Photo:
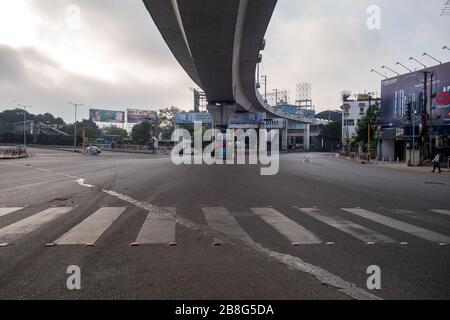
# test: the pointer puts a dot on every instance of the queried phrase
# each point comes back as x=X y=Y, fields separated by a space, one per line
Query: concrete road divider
x=14 y=152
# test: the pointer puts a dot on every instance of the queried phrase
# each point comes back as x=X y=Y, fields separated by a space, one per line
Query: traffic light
x=409 y=111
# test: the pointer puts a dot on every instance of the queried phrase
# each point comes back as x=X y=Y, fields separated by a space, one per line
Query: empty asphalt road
x=139 y=227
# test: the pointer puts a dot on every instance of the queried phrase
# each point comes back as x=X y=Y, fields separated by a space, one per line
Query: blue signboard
x=191 y=118
x=205 y=118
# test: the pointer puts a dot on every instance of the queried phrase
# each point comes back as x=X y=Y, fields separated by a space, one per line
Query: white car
x=93 y=150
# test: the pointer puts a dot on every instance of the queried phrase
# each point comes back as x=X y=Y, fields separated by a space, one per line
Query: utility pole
x=431 y=114
x=24 y=124
x=276 y=97
x=369 y=128
x=76 y=105
x=424 y=133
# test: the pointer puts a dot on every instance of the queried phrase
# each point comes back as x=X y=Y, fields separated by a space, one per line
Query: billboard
x=106 y=116
x=136 y=116
x=398 y=91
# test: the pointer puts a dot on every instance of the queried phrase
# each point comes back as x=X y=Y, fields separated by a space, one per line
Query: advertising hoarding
x=398 y=91
x=106 y=116
x=136 y=116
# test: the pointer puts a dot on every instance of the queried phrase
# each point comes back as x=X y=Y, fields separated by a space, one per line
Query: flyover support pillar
x=307 y=138
x=222 y=114
x=284 y=136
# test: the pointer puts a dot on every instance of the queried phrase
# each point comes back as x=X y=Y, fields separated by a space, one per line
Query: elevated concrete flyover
x=218 y=43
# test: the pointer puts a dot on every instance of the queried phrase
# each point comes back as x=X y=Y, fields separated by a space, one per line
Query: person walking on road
x=437 y=163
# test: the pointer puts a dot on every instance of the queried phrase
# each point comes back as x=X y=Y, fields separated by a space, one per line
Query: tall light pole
x=276 y=97
x=422 y=64
x=402 y=65
x=430 y=56
x=24 y=124
x=265 y=88
x=76 y=105
x=379 y=73
x=393 y=71
x=446 y=48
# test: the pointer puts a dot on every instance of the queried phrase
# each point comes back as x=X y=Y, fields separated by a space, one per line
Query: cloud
x=327 y=42
x=118 y=59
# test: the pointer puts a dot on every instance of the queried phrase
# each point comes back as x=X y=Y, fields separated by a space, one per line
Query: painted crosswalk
x=23 y=227
x=400 y=225
x=5 y=211
x=444 y=212
x=221 y=221
x=157 y=229
x=420 y=217
x=355 y=230
x=161 y=229
x=91 y=229
x=293 y=231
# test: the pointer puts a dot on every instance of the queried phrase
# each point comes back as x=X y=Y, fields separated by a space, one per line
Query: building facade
x=352 y=113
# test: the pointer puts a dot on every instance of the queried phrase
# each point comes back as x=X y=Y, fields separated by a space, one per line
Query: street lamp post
x=393 y=71
x=24 y=124
x=379 y=73
x=265 y=88
x=422 y=64
x=402 y=65
x=276 y=97
x=430 y=56
x=446 y=48
x=75 y=105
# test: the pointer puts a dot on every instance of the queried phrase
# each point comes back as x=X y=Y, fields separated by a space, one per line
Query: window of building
x=349 y=122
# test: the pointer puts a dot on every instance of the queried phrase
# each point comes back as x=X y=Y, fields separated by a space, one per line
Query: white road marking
x=91 y=229
x=355 y=230
x=6 y=211
x=222 y=221
x=82 y=183
x=292 y=262
x=157 y=229
x=31 y=185
x=294 y=232
x=420 y=217
x=444 y=212
x=401 y=226
x=20 y=228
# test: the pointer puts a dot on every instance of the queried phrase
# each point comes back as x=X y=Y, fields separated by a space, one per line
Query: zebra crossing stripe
x=290 y=229
x=355 y=230
x=91 y=229
x=221 y=221
x=157 y=229
x=400 y=225
x=25 y=226
x=420 y=217
x=6 y=211
x=444 y=212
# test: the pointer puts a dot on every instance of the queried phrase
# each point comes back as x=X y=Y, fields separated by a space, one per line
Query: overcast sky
x=115 y=58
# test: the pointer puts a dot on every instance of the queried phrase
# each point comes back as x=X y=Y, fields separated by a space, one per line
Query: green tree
x=332 y=132
x=166 y=121
x=115 y=131
x=362 y=129
x=142 y=133
x=92 y=131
